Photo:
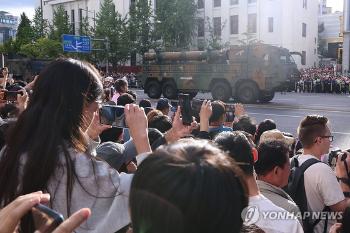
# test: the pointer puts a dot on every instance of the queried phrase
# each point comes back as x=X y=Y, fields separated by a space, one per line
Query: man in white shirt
x=321 y=186
x=239 y=148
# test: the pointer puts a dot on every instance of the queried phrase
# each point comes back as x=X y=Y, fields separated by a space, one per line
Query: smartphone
x=186 y=109
x=197 y=105
x=230 y=112
x=113 y=115
x=45 y=219
x=10 y=95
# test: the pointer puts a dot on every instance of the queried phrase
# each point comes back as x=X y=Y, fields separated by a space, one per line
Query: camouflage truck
x=246 y=73
x=25 y=68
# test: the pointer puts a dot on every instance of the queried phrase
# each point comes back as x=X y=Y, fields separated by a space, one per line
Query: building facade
x=8 y=26
x=291 y=24
x=346 y=37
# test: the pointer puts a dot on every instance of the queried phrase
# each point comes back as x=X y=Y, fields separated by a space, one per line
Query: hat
x=275 y=135
x=163 y=103
x=112 y=153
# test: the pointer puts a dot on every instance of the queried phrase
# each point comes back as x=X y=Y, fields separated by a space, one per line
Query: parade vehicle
x=247 y=74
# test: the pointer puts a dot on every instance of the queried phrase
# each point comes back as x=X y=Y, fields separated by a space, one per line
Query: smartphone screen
x=113 y=115
x=230 y=112
x=45 y=219
x=186 y=109
x=11 y=95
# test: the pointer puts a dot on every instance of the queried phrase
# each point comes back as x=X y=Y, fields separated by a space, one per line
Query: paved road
x=287 y=110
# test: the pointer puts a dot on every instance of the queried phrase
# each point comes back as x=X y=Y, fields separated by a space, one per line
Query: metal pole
x=94 y=20
x=107 y=50
x=42 y=18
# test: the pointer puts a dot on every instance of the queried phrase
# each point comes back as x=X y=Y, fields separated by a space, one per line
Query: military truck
x=25 y=68
x=246 y=73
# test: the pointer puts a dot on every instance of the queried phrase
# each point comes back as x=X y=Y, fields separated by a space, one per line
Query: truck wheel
x=153 y=89
x=267 y=97
x=169 y=90
x=247 y=93
x=221 y=91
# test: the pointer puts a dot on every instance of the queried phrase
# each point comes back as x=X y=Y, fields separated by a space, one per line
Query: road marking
x=340 y=133
x=298 y=109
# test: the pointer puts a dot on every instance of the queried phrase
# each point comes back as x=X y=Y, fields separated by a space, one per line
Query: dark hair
x=178 y=186
x=145 y=103
x=162 y=123
x=125 y=99
x=153 y=113
x=218 y=110
x=245 y=123
x=345 y=228
x=111 y=135
x=52 y=122
x=237 y=145
x=9 y=111
x=132 y=93
x=271 y=154
x=311 y=127
x=120 y=84
x=265 y=125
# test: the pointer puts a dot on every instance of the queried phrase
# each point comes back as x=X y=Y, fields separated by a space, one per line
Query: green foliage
x=24 y=32
x=60 y=24
x=141 y=26
x=84 y=27
x=40 y=26
x=43 y=48
x=214 y=41
x=10 y=47
x=109 y=24
x=175 y=22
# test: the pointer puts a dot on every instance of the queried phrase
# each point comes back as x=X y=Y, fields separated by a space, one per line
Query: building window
x=305 y=4
x=304 y=30
x=200 y=27
x=217 y=3
x=234 y=24
x=200 y=4
x=270 y=24
x=315 y=40
x=80 y=15
x=251 y=1
x=66 y=14
x=315 y=51
x=303 y=58
x=72 y=20
x=251 y=23
x=217 y=26
x=234 y=2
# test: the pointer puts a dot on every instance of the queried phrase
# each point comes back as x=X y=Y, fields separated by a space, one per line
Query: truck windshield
x=287 y=59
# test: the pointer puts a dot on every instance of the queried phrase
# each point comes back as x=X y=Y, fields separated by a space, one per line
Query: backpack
x=296 y=190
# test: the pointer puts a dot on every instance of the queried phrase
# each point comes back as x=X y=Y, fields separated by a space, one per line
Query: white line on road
x=271 y=114
x=340 y=133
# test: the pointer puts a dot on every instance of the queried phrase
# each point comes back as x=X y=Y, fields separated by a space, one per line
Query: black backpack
x=296 y=190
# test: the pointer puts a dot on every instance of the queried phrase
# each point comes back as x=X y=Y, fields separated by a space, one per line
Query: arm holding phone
x=11 y=214
x=205 y=113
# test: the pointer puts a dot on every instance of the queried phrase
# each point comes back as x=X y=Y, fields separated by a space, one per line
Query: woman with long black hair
x=49 y=149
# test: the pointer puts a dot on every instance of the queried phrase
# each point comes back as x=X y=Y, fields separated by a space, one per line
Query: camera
x=113 y=115
x=334 y=155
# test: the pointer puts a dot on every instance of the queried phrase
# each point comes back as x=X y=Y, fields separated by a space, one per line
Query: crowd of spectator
x=322 y=80
x=158 y=175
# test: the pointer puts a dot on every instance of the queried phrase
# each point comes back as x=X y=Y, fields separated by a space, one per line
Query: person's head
x=177 y=187
x=162 y=123
x=153 y=113
x=218 y=112
x=121 y=86
x=125 y=99
x=107 y=94
x=163 y=105
x=315 y=135
x=145 y=103
x=64 y=100
x=273 y=164
x=245 y=123
x=265 y=125
x=239 y=148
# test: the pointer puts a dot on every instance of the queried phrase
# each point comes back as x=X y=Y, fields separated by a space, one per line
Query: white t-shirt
x=271 y=224
x=321 y=188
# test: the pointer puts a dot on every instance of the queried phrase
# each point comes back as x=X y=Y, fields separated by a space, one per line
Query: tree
x=60 y=23
x=40 y=25
x=43 y=48
x=214 y=40
x=140 y=27
x=110 y=24
x=24 y=32
x=175 y=22
x=84 y=27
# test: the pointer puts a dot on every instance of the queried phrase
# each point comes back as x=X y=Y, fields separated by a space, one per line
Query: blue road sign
x=77 y=44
